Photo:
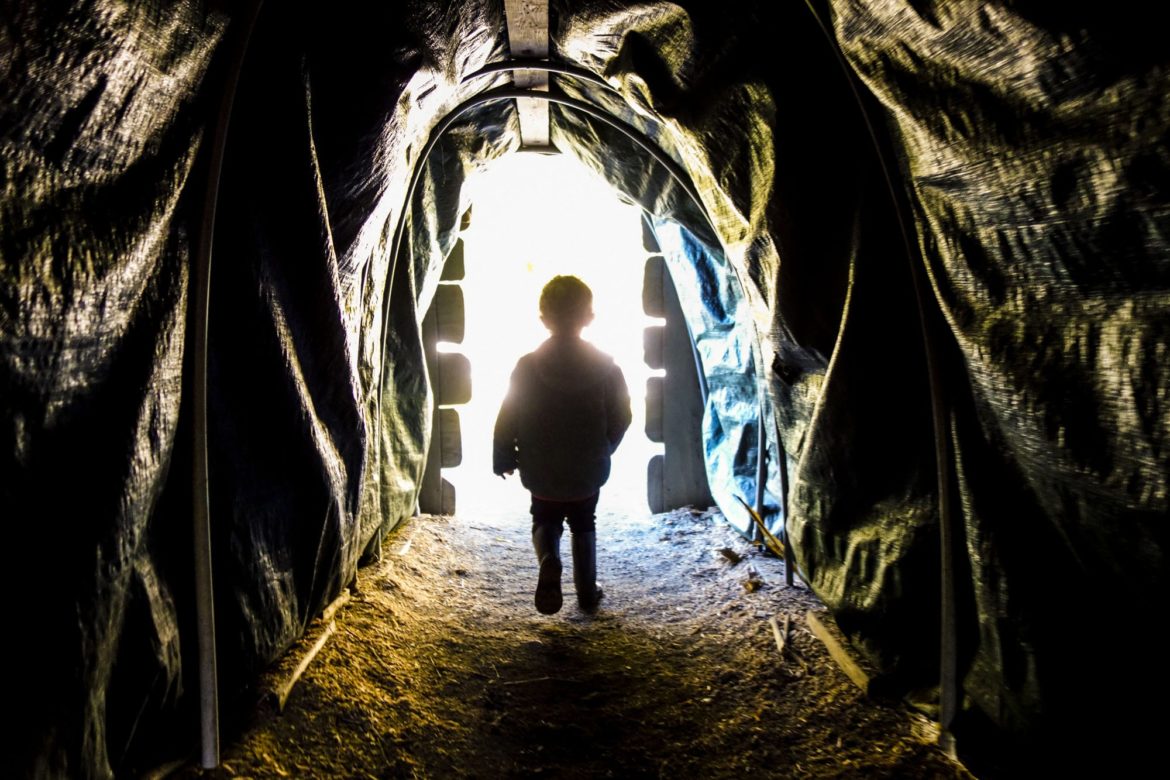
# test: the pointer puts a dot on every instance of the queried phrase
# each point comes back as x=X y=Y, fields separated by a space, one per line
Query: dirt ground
x=441 y=667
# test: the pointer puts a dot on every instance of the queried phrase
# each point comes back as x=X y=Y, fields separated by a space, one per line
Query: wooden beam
x=837 y=651
x=528 y=37
x=337 y=603
x=282 y=692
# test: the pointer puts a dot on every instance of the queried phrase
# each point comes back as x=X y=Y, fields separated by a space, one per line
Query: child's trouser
x=547 y=525
x=580 y=513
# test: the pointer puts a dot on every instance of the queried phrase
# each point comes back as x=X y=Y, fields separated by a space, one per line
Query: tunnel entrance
x=736 y=434
x=536 y=216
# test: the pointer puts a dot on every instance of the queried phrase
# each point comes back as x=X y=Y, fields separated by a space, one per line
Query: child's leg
x=582 y=514
x=547 y=526
x=582 y=521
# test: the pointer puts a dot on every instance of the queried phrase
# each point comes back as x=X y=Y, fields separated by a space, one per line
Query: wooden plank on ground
x=282 y=692
x=336 y=604
x=837 y=651
x=780 y=635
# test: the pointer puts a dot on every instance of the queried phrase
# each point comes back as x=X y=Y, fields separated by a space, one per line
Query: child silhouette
x=566 y=411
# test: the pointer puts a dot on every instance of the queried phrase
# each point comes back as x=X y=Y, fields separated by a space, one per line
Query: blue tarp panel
x=715 y=309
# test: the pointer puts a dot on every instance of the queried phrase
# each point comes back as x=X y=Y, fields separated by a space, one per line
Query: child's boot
x=546 y=539
x=585 y=570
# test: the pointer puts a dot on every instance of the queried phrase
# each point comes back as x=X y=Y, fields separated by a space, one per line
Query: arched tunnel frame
x=209 y=719
x=676 y=172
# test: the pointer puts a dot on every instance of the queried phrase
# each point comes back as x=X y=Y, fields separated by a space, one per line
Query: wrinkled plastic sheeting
x=712 y=304
x=321 y=401
x=1035 y=144
x=648 y=53
x=1035 y=151
x=849 y=374
x=319 y=404
x=98 y=144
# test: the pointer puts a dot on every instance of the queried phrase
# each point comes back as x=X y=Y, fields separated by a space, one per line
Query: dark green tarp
x=970 y=197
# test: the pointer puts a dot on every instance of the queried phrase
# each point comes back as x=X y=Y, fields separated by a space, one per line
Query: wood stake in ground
x=837 y=651
x=286 y=687
x=335 y=605
x=781 y=636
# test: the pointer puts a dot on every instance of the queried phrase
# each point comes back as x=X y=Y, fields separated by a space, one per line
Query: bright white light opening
x=535 y=217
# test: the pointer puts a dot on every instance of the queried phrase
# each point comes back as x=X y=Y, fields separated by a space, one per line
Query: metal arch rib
x=532 y=63
x=677 y=172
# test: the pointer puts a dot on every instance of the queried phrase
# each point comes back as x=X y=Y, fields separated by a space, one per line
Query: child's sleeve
x=504 y=456
x=617 y=408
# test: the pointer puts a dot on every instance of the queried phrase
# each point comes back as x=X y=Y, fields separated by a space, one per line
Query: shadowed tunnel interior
x=928 y=240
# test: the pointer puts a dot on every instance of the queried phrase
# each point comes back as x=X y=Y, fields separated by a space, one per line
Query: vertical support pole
x=761 y=468
x=940 y=414
x=789 y=559
x=204 y=590
x=761 y=437
x=948 y=650
x=201 y=503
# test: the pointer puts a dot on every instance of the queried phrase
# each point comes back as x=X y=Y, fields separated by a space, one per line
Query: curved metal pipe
x=505 y=93
x=532 y=63
x=201 y=503
x=529 y=63
x=675 y=170
x=761 y=464
x=948 y=661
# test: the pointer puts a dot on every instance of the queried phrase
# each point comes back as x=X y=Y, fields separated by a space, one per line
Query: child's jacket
x=565 y=413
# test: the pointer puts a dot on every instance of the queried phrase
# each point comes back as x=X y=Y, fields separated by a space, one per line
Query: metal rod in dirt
x=933 y=348
x=201 y=500
x=789 y=559
x=761 y=452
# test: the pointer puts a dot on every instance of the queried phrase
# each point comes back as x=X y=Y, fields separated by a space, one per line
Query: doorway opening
x=536 y=216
